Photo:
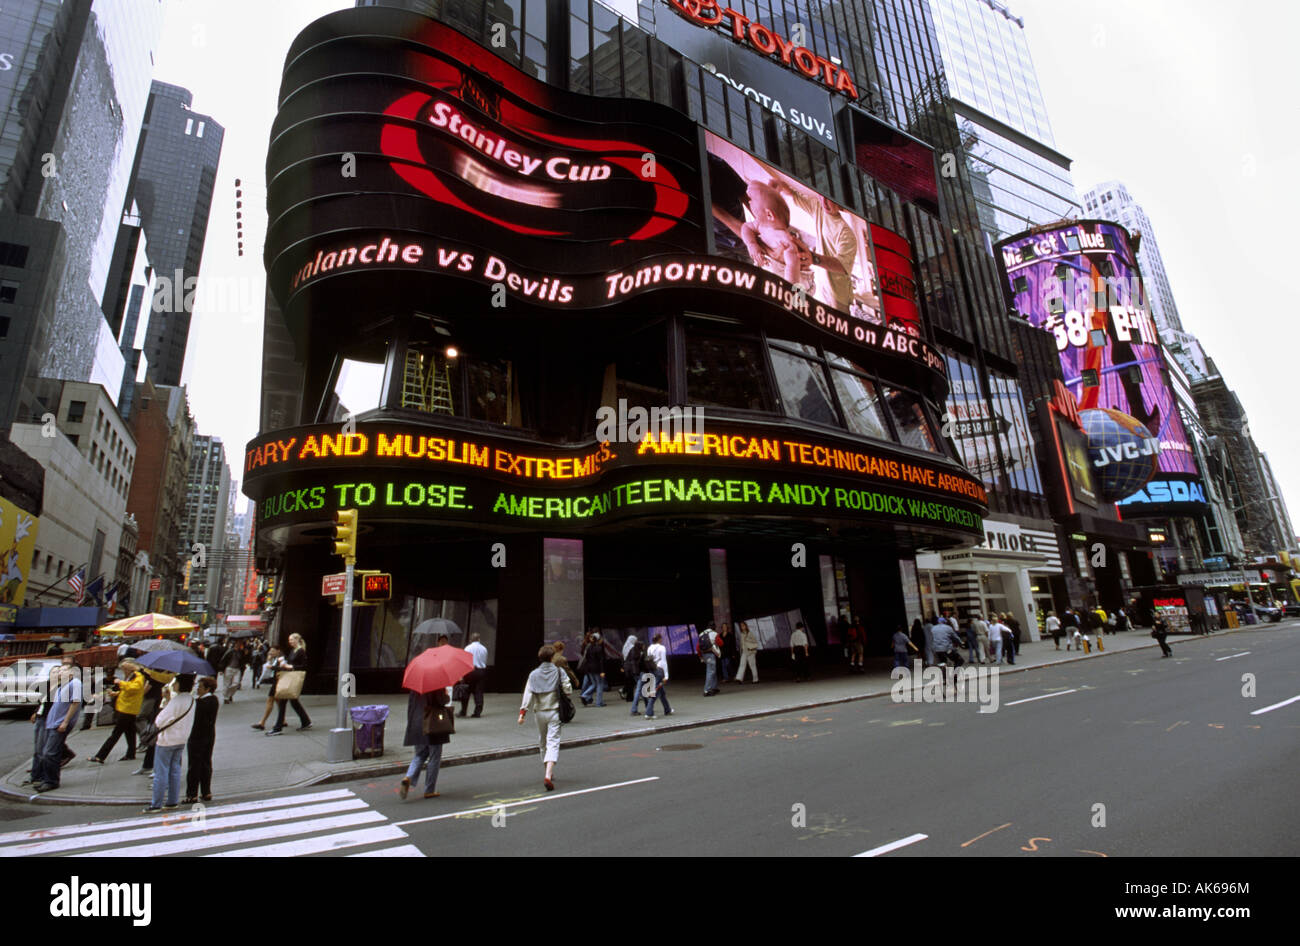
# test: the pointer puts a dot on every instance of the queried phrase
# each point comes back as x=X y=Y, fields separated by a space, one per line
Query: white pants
x=548 y=730
x=232 y=678
x=748 y=658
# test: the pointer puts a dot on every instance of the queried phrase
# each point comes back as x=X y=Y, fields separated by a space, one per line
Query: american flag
x=78 y=583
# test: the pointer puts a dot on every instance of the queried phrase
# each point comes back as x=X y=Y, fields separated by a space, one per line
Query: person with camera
x=128 y=694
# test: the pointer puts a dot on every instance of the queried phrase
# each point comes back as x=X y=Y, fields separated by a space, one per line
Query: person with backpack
x=541 y=697
x=592 y=667
x=709 y=653
x=641 y=678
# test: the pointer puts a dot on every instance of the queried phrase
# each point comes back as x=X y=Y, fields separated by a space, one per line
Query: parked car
x=1263 y=613
x=28 y=687
x=1291 y=610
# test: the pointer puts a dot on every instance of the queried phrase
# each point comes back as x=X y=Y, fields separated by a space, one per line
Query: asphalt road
x=1122 y=756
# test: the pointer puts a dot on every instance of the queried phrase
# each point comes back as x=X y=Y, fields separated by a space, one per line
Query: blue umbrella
x=176 y=661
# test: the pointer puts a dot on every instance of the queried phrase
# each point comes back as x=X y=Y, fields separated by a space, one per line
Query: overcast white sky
x=1190 y=103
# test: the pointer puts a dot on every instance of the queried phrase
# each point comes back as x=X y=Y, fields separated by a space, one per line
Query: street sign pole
x=345 y=546
x=345 y=649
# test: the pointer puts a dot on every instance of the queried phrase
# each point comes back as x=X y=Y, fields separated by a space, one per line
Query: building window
x=8 y=291
x=914 y=429
x=76 y=412
x=13 y=254
x=803 y=386
x=727 y=372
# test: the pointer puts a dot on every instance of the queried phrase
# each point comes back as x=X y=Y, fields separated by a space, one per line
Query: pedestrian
x=659 y=655
x=560 y=661
x=638 y=669
x=420 y=708
x=129 y=694
x=709 y=653
x=203 y=739
x=297 y=660
x=541 y=696
x=592 y=667
x=918 y=636
x=274 y=663
x=216 y=655
x=729 y=649
x=60 y=719
x=901 y=645
x=1008 y=637
x=748 y=644
x=1070 y=627
x=232 y=670
x=1054 y=628
x=257 y=657
x=150 y=706
x=1121 y=620
x=1159 y=630
x=1011 y=621
x=799 y=653
x=947 y=646
x=928 y=630
x=175 y=722
x=853 y=638
x=996 y=642
x=474 y=680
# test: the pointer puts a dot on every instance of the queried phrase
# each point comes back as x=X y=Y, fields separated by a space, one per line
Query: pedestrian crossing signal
x=377 y=587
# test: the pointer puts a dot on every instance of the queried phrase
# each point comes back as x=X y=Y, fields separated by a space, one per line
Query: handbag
x=439 y=721
x=150 y=732
x=567 y=709
x=460 y=692
x=288 y=685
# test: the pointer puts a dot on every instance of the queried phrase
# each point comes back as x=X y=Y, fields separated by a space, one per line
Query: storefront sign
x=768 y=42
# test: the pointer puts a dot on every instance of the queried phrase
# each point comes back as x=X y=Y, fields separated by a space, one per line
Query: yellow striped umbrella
x=147 y=625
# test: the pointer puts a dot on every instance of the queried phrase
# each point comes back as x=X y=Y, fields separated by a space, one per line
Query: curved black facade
x=592 y=411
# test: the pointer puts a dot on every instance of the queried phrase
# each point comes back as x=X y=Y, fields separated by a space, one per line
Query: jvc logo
x=75 y=899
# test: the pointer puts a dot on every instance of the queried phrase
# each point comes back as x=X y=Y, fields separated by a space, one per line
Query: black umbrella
x=177 y=661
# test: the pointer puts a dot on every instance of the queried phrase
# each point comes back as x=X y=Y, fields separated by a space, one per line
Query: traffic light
x=345 y=534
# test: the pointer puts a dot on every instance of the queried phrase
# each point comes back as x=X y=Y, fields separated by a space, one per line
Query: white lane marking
x=209 y=811
x=406 y=850
x=893 y=845
x=526 y=801
x=1269 y=709
x=328 y=842
x=180 y=822
x=1242 y=654
x=231 y=838
x=1046 y=696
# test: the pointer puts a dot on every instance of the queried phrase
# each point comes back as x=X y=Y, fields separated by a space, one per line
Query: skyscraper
x=72 y=96
x=1111 y=201
x=1018 y=177
x=206 y=502
x=172 y=183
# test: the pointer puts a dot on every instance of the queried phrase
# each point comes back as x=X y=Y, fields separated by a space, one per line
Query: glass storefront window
x=910 y=421
x=430 y=380
x=860 y=401
x=803 y=388
x=490 y=392
x=726 y=372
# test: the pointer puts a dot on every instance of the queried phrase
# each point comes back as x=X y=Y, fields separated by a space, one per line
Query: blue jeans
x=900 y=659
x=972 y=645
x=638 y=690
x=430 y=753
x=710 y=673
x=48 y=762
x=594 y=683
x=661 y=693
x=167 y=775
x=726 y=668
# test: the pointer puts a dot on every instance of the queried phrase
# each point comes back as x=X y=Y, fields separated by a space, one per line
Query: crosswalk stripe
x=180 y=823
x=209 y=812
x=406 y=850
x=328 y=842
x=229 y=839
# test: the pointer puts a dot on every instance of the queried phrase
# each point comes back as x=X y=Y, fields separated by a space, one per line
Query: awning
x=59 y=617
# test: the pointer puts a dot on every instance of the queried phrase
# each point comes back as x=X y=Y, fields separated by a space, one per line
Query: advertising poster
x=975 y=429
x=1081 y=283
x=17 y=545
x=767 y=218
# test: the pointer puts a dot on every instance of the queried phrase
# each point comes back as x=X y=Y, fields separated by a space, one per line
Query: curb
x=493 y=755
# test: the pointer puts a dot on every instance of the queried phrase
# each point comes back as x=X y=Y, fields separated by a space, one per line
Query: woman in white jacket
x=540 y=697
x=174 y=722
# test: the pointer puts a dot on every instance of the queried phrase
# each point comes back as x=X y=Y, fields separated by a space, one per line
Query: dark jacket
x=203 y=735
x=298 y=659
x=593 y=658
x=415 y=704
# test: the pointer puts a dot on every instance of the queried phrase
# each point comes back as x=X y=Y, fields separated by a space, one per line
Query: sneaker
x=404 y=789
x=274 y=732
x=142 y=771
x=304 y=728
x=170 y=807
x=649 y=715
x=152 y=810
x=668 y=713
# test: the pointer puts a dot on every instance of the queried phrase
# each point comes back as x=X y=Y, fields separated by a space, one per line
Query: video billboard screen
x=994 y=445
x=767 y=218
x=1081 y=282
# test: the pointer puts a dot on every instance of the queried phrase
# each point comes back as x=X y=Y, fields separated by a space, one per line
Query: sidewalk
x=247 y=763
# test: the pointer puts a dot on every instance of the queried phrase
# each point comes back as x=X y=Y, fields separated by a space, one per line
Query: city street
x=1184 y=765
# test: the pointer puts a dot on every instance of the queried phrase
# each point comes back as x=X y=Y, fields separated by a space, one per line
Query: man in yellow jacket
x=130 y=694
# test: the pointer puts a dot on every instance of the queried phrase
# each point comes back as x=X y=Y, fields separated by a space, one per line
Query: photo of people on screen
x=766 y=218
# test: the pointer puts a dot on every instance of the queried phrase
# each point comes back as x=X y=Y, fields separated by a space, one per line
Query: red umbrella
x=436 y=668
